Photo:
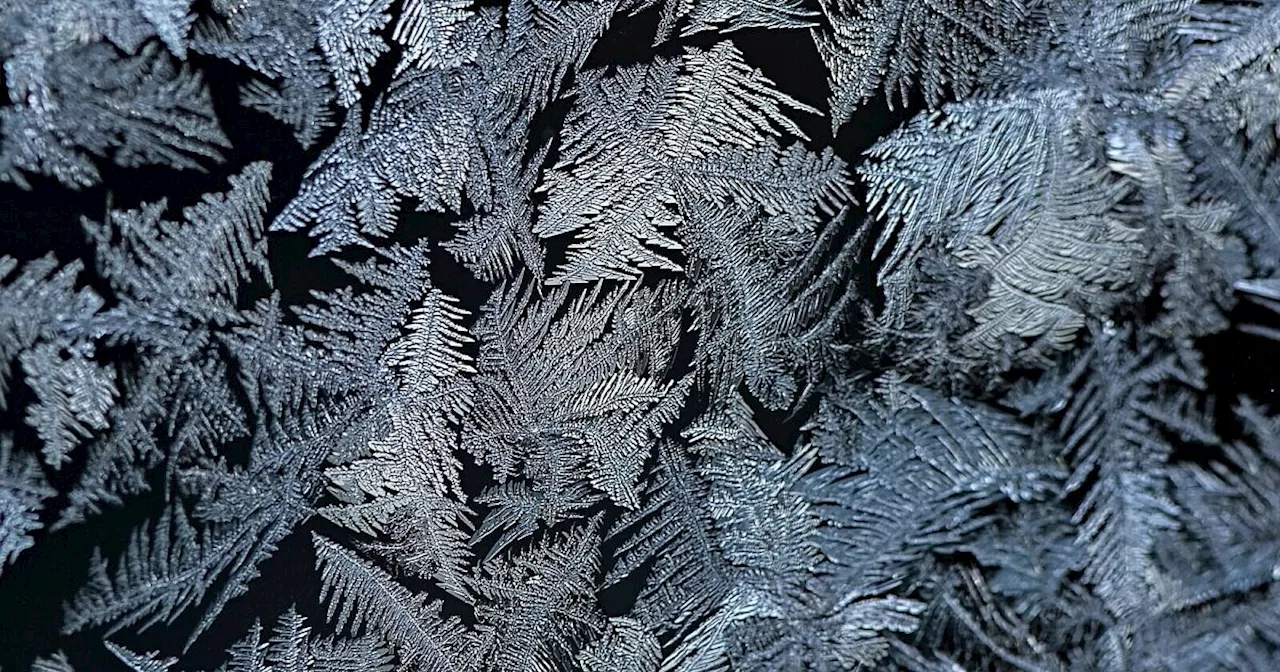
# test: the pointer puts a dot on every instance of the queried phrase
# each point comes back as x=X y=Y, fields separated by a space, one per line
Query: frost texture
x=598 y=362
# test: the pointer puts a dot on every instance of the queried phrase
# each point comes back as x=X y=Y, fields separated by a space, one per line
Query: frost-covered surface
x=727 y=398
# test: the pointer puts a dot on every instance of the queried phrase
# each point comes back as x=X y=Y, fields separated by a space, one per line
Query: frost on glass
x=615 y=363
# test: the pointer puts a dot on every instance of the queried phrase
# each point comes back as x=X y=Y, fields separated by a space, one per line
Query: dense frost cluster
x=623 y=369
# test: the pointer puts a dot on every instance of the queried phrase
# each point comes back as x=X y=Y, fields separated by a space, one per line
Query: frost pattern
x=651 y=390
